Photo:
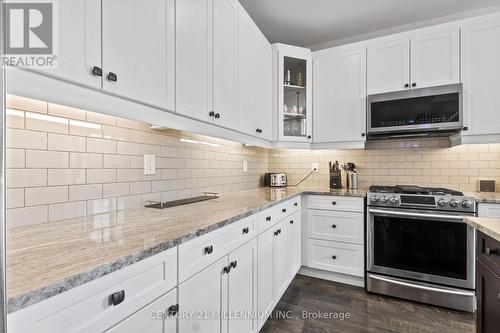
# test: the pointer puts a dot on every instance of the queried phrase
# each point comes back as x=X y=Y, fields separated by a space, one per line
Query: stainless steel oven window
x=469 y=282
x=451 y=88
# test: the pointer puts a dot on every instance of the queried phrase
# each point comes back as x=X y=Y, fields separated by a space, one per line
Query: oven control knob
x=374 y=199
x=442 y=202
x=466 y=203
x=394 y=200
x=383 y=199
x=454 y=203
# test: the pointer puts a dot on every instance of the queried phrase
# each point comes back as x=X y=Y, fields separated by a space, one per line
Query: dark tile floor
x=368 y=312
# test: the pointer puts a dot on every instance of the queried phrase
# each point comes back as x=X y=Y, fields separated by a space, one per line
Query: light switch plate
x=149 y=164
x=245 y=166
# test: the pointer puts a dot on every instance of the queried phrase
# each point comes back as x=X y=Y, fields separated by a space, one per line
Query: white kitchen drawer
x=154 y=318
x=202 y=251
x=87 y=308
x=269 y=217
x=336 y=257
x=336 y=226
x=346 y=204
x=488 y=210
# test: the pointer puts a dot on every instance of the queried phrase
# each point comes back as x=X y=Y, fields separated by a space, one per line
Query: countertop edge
x=475 y=222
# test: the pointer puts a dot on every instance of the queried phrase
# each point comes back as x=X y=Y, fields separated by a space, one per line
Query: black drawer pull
x=490 y=252
x=276 y=233
x=296 y=204
x=97 y=71
x=268 y=218
x=173 y=310
x=217 y=115
x=209 y=249
x=117 y=298
x=334 y=257
x=334 y=226
x=246 y=230
x=407 y=85
x=334 y=203
x=227 y=269
x=279 y=231
x=112 y=77
x=413 y=84
x=211 y=114
x=291 y=221
x=233 y=264
x=283 y=210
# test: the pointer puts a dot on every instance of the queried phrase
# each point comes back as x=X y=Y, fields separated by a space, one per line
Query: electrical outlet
x=149 y=164
x=245 y=166
x=315 y=167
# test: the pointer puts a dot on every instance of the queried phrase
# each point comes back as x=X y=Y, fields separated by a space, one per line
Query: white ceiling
x=313 y=22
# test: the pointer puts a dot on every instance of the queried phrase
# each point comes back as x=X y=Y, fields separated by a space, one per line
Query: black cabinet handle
x=233 y=264
x=209 y=249
x=334 y=257
x=465 y=128
x=296 y=204
x=268 y=218
x=406 y=85
x=279 y=231
x=117 y=298
x=97 y=71
x=211 y=114
x=173 y=310
x=291 y=221
x=413 y=84
x=258 y=130
x=112 y=77
x=276 y=233
x=246 y=230
x=363 y=134
x=217 y=115
x=334 y=203
x=334 y=226
x=227 y=269
x=283 y=210
x=308 y=136
x=490 y=252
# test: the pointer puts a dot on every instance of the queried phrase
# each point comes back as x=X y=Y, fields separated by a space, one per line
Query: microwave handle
x=408 y=135
x=432 y=216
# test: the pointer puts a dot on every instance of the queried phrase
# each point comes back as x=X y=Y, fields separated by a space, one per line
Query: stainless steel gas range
x=419 y=247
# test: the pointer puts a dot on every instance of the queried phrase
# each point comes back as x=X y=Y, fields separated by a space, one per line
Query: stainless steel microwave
x=435 y=111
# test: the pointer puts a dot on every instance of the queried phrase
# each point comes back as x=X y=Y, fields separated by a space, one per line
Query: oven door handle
x=423 y=287
x=425 y=215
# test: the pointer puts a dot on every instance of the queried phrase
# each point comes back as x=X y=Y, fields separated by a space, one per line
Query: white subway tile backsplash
x=45 y=195
x=127 y=123
x=66 y=177
x=14 y=198
x=14 y=118
x=84 y=128
x=66 y=142
x=46 y=159
x=84 y=160
x=117 y=161
x=116 y=133
x=46 y=123
x=16 y=138
x=101 y=146
x=100 y=176
x=101 y=206
x=26 y=177
x=128 y=175
x=15 y=158
x=66 y=111
x=24 y=103
x=67 y=210
x=101 y=118
x=20 y=217
x=116 y=189
x=140 y=187
x=129 y=202
x=85 y=192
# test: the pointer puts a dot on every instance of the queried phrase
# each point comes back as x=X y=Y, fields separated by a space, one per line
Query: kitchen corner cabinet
x=220 y=292
x=340 y=95
x=293 y=89
x=138 y=50
x=422 y=58
x=487 y=283
x=254 y=80
x=206 y=60
x=480 y=73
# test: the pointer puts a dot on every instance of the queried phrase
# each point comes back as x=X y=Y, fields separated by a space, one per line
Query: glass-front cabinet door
x=294 y=102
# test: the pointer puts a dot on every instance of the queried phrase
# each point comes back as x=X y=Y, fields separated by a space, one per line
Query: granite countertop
x=48 y=259
x=485 y=197
x=488 y=226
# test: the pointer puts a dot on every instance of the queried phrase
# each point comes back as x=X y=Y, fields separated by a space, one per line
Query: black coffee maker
x=335 y=175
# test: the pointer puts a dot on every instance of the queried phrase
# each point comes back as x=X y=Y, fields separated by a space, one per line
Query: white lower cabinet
x=265 y=279
x=280 y=253
x=294 y=244
x=157 y=317
x=212 y=300
x=488 y=210
x=337 y=257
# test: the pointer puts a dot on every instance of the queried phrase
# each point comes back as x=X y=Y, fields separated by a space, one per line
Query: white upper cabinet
x=480 y=77
x=79 y=41
x=388 y=65
x=339 y=95
x=193 y=58
x=435 y=57
x=225 y=38
x=254 y=79
x=138 y=50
